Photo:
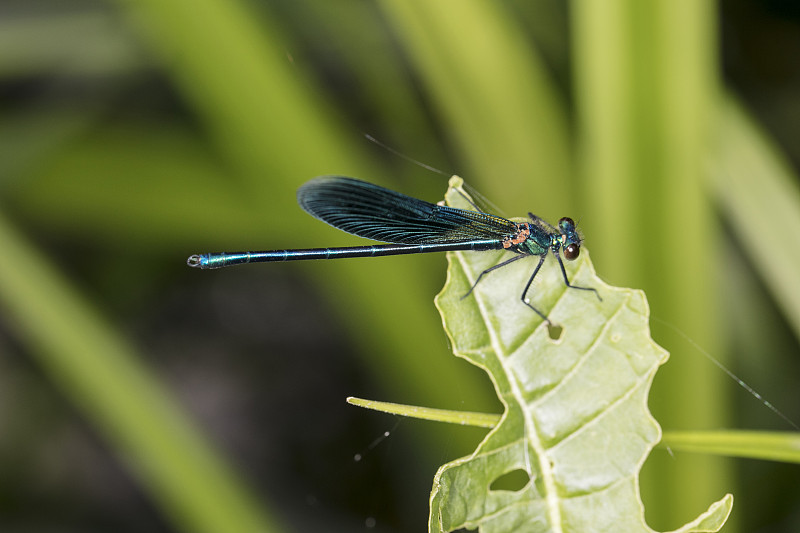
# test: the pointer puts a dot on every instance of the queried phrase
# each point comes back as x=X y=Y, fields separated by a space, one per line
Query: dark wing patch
x=373 y=212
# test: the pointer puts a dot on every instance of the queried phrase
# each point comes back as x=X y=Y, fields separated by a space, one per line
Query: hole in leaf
x=554 y=331
x=513 y=481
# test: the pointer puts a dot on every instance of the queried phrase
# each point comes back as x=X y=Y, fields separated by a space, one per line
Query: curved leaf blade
x=575 y=418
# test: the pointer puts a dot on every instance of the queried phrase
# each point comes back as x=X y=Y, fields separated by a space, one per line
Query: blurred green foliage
x=136 y=133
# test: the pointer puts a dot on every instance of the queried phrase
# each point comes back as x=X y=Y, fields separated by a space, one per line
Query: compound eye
x=566 y=222
x=572 y=252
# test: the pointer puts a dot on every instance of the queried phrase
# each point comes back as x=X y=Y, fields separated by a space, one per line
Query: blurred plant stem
x=645 y=84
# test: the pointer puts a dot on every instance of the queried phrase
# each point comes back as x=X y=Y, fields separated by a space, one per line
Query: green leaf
x=575 y=421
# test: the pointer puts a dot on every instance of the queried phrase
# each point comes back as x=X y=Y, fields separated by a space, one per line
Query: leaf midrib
x=531 y=435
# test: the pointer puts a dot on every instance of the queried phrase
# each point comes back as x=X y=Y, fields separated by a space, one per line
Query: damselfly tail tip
x=195 y=261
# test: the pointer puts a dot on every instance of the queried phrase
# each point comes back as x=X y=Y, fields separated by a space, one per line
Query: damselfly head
x=570 y=239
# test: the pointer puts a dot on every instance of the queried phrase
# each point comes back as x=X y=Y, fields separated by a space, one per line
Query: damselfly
x=414 y=227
